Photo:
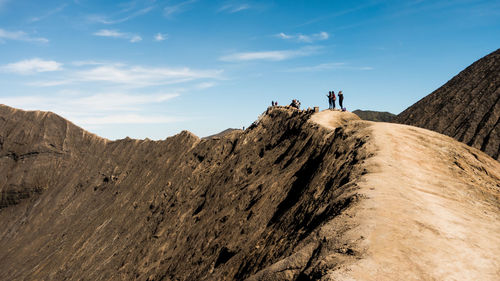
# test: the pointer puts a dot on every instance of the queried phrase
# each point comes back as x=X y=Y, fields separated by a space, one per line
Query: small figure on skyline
x=333 y=100
x=295 y=103
x=272 y=103
x=330 y=102
x=341 y=100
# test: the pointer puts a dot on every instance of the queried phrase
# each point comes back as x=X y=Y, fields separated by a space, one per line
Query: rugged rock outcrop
x=182 y=208
x=297 y=196
x=466 y=108
x=376 y=116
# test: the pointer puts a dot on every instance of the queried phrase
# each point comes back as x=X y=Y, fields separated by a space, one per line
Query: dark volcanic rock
x=74 y=205
x=466 y=108
x=377 y=116
x=296 y=196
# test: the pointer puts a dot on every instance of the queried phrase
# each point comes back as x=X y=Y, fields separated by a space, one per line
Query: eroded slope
x=294 y=197
x=179 y=209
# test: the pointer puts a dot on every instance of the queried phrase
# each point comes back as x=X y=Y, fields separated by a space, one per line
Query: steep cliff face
x=297 y=196
x=36 y=149
x=182 y=208
x=466 y=108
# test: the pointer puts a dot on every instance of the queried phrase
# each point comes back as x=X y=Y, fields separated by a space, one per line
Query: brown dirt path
x=431 y=210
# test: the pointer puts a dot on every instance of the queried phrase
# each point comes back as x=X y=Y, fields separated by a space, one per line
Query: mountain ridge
x=297 y=196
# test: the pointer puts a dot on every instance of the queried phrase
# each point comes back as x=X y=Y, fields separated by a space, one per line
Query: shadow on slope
x=183 y=208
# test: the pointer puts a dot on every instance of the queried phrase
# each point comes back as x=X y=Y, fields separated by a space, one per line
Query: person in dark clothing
x=329 y=99
x=333 y=99
x=341 y=100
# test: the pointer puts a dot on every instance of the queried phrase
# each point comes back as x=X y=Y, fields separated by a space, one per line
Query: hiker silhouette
x=341 y=100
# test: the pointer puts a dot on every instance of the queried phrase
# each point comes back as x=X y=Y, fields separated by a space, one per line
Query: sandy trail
x=425 y=217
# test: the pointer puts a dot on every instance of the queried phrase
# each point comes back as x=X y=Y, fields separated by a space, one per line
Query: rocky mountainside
x=376 y=116
x=466 y=108
x=297 y=196
x=221 y=134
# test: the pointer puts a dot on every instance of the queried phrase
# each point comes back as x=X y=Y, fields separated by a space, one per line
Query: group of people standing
x=332 y=99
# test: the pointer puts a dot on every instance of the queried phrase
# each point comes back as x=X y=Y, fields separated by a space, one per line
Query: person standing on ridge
x=329 y=99
x=341 y=100
x=333 y=100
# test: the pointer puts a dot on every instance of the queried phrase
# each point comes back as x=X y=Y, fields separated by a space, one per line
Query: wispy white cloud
x=271 y=55
x=20 y=36
x=133 y=38
x=206 y=85
x=160 y=37
x=110 y=33
x=110 y=93
x=119 y=101
x=139 y=76
x=177 y=8
x=81 y=102
x=284 y=36
x=305 y=38
x=365 y=68
x=32 y=66
x=49 y=13
x=234 y=8
x=328 y=66
x=50 y=83
x=127 y=119
x=128 y=76
x=110 y=20
x=87 y=62
x=98 y=109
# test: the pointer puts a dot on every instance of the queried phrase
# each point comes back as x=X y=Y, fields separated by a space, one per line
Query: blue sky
x=148 y=68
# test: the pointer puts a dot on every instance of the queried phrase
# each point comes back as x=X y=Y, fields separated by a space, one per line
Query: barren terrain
x=297 y=196
x=466 y=108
